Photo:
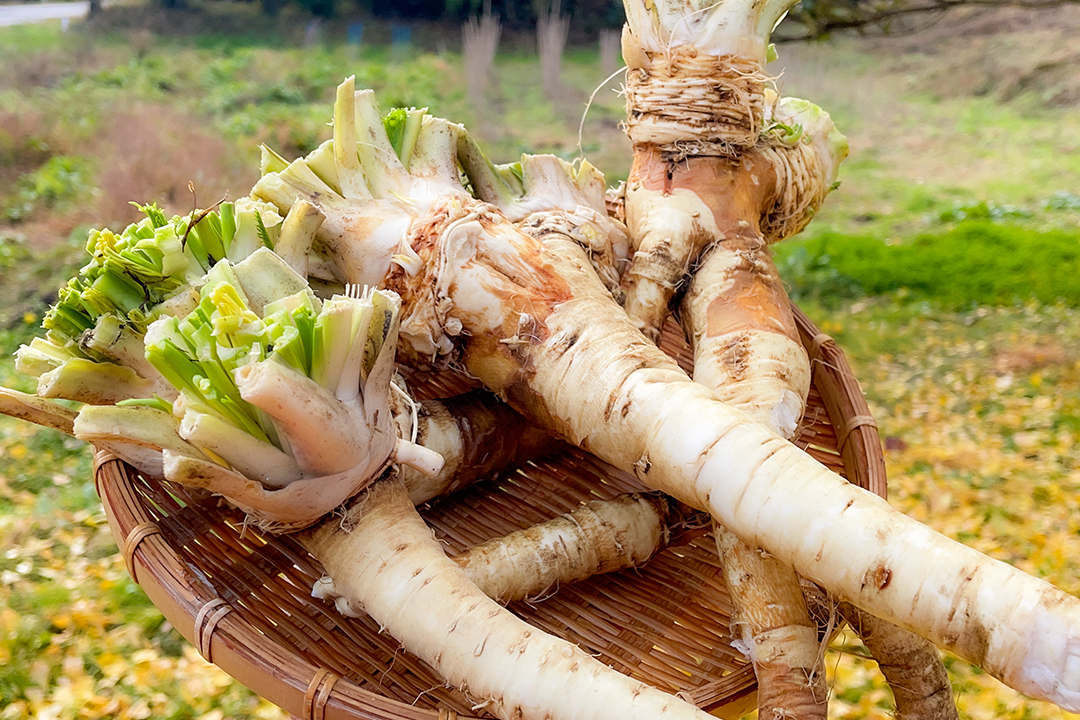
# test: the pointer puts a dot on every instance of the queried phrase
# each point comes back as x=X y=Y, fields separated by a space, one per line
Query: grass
x=927 y=138
x=975 y=262
x=945 y=265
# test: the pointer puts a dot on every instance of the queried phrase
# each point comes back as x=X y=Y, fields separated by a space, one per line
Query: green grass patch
x=977 y=262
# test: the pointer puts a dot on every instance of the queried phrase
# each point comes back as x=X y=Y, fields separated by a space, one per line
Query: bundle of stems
x=92 y=351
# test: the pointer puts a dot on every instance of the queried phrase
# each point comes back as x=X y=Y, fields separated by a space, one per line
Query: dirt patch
x=143 y=154
x=27 y=139
x=1005 y=53
x=1029 y=357
x=151 y=154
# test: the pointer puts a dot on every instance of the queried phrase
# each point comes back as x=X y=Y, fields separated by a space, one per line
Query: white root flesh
x=746 y=346
x=384 y=560
x=775 y=630
x=746 y=349
x=598 y=537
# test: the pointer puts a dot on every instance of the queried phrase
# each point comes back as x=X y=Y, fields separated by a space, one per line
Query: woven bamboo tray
x=243 y=598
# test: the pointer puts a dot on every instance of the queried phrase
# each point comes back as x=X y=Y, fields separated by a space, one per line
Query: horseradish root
x=385 y=562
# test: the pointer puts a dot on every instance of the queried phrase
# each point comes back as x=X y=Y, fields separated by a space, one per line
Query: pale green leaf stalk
x=375 y=187
x=270 y=161
x=323 y=163
x=94 y=383
x=37 y=410
x=257 y=225
x=138 y=434
x=717 y=27
x=298 y=232
x=266 y=278
x=544 y=194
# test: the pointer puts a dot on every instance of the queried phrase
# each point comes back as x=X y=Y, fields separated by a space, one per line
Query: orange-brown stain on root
x=503 y=357
x=734 y=189
x=878 y=577
x=755 y=298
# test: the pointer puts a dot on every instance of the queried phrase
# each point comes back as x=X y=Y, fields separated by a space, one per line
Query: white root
x=477 y=436
x=384 y=560
x=598 y=537
x=746 y=347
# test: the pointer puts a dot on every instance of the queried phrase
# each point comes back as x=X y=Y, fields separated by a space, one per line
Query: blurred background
x=947 y=264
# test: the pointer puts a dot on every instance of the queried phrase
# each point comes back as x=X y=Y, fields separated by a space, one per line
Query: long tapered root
x=775 y=630
x=598 y=537
x=533 y=322
x=911 y=666
x=384 y=559
x=477 y=436
x=746 y=347
x=774 y=495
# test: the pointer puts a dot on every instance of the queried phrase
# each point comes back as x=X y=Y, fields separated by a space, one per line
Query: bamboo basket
x=243 y=597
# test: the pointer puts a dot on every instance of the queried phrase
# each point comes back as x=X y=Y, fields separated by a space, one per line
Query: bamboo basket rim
x=240 y=596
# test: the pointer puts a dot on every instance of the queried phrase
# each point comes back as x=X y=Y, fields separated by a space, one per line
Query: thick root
x=674 y=211
x=532 y=321
x=776 y=631
x=598 y=537
x=642 y=414
x=746 y=347
x=384 y=560
x=911 y=666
